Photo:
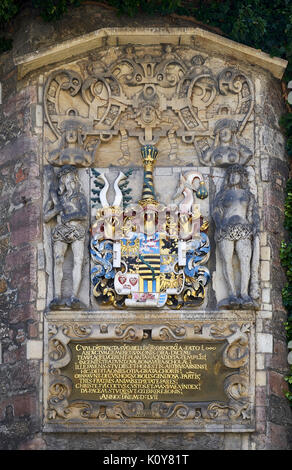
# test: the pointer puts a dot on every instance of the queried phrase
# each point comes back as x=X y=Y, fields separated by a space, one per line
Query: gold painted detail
x=190 y=374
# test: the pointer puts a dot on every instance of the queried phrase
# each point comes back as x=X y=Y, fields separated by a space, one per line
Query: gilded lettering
x=140 y=371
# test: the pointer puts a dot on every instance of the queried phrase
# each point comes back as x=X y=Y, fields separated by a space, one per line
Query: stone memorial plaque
x=127 y=376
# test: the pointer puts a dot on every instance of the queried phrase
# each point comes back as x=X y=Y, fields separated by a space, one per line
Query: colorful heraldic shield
x=150 y=276
x=150 y=257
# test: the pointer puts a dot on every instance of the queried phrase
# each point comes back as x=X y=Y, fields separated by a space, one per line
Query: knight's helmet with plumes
x=149 y=154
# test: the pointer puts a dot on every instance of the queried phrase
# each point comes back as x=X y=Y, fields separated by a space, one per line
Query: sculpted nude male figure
x=68 y=205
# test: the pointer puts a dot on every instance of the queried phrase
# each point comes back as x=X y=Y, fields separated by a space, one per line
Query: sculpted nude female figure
x=236 y=219
x=226 y=149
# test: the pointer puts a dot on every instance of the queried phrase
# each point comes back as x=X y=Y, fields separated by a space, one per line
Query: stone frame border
x=236 y=415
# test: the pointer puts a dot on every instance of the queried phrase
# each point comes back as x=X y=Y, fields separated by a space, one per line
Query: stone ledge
x=122 y=36
x=110 y=315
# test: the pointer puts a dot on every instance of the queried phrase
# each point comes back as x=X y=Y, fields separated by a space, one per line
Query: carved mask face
x=71 y=136
x=234 y=178
x=69 y=181
x=98 y=88
x=225 y=135
x=148 y=114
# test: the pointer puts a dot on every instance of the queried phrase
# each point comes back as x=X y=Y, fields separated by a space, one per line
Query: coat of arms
x=149 y=254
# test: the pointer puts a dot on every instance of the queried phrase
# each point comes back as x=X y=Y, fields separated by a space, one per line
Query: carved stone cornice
x=115 y=36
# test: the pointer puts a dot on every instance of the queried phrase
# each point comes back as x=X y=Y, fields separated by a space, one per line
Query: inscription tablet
x=148 y=371
x=184 y=376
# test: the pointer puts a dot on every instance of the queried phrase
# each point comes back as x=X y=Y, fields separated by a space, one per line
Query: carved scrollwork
x=236 y=386
x=68 y=80
x=165 y=332
x=234 y=81
x=78 y=331
x=162 y=92
x=59 y=352
x=129 y=333
x=123 y=410
x=172 y=410
x=61 y=408
x=236 y=353
x=232 y=411
x=60 y=390
x=66 y=410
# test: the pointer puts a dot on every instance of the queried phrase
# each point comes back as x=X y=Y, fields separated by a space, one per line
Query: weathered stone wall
x=273 y=414
x=23 y=290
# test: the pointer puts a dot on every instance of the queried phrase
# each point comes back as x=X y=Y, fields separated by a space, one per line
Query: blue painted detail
x=102 y=255
x=195 y=256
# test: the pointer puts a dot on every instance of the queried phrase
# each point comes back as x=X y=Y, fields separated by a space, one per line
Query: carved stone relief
x=226 y=149
x=196 y=113
x=67 y=207
x=151 y=254
x=145 y=153
x=233 y=338
x=161 y=95
x=236 y=218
